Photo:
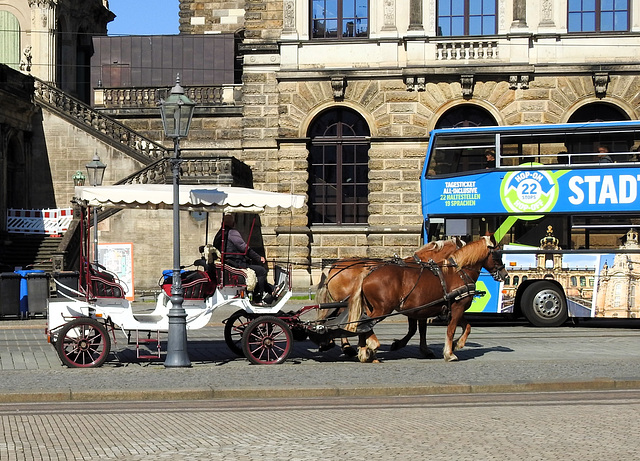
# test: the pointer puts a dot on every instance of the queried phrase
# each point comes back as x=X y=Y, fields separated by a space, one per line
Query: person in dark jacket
x=238 y=254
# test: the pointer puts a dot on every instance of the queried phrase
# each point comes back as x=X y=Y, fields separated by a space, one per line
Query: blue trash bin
x=24 y=290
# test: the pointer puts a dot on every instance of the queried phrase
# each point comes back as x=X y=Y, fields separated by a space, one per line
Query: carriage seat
x=195 y=284
x=105 y=284
x=234 y=276
x=228 y=275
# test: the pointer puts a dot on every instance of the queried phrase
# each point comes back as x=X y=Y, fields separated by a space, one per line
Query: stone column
x=415 y=15
x=519 y=14
x=43 y=13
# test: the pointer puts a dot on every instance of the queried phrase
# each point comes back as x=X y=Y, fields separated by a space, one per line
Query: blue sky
x=144 y=17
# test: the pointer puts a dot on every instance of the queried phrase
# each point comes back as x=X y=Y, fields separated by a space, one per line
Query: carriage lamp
x=95 y=173
x=176 y=111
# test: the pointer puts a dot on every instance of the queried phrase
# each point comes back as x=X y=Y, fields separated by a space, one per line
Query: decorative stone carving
x=389 y=15
x=600 y=83
x=466 y=81
x=338 y=85
x=289 y=16
x=415 y=83
x=547 y=14
x=518 y=82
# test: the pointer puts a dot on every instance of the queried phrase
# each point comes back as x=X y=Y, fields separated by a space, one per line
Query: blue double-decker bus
x=562 y=199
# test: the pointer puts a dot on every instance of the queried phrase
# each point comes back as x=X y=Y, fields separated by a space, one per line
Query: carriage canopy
x=192 y=197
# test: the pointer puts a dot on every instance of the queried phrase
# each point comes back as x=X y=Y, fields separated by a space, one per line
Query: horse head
x=438 y=250
x=493 y=263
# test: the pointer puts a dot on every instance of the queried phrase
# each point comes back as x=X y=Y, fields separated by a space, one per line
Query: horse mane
x=472 y=252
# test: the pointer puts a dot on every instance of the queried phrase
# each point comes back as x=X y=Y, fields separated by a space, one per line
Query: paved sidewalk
x=503 y=358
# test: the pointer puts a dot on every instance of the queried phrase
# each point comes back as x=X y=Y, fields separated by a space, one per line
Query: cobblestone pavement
x=566 y=426
x=505 y=357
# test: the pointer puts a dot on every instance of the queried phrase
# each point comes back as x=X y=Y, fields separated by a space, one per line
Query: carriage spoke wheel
x=83 y=343
x=233 y=330
x=267 y=340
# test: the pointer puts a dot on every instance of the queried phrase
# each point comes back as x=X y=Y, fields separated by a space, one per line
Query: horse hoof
x=451 y=358
x=427 y=353
x=395 y=345
x=366 y=355
x=326 y=346
x=349 y=351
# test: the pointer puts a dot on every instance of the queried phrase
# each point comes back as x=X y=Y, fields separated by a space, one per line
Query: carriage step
x=144 y=354
x=147 y=340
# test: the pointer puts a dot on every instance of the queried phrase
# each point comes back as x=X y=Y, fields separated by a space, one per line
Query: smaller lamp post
x=177 y=111
x=95 y=173
x=78 y=178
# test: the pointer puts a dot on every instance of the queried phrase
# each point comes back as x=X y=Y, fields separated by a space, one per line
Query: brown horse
x=425 y=291
x=339 y=281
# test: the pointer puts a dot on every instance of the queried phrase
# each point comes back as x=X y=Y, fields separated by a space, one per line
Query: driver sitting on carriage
x=238 y=254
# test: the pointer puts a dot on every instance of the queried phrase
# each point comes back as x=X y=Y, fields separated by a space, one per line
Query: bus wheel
x=544 y=305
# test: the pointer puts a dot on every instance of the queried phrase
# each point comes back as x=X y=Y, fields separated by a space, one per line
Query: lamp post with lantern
x=95 y=175
x=177 y=111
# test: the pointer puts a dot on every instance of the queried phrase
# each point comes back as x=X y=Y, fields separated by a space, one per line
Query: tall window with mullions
x=340 y=19
x=339 y=168
x=467 y=17
x=598 y=16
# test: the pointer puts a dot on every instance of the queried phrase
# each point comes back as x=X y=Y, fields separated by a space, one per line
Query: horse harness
x=468 y=289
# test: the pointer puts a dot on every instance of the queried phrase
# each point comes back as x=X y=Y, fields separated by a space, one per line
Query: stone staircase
x=28 y=251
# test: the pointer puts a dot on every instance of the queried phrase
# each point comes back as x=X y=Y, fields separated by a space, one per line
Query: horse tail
x=356 y=303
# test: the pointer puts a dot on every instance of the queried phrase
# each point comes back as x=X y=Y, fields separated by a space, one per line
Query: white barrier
x=53 y=221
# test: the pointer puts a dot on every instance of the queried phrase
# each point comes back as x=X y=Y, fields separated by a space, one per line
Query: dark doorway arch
x=598 y=112
x=466 y=115
x=338 y=168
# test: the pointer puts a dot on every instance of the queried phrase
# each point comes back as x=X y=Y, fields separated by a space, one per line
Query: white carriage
x=81 y=327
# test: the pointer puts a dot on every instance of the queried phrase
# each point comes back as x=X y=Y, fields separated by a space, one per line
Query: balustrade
x=82 y=113
x=466 y=50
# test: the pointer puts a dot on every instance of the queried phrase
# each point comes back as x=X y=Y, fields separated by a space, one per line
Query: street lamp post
x=95 y=173
x=177 y=111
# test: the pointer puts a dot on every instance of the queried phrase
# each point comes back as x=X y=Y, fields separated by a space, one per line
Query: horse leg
x=447 y=352
x=400 y=343
x=365 y=354
x=347 y=348
x=462 y=340
x=424 y=349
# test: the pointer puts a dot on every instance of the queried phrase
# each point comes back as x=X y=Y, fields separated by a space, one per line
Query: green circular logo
x=528 y=191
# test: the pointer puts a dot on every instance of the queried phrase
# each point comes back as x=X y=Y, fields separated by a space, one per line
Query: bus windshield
x=465 y=149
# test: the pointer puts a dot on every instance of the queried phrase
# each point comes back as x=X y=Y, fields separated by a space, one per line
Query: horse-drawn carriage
x=81 y=328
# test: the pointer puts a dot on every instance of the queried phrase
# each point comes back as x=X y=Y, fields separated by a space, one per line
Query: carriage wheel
x=83 y=343
x=267 y=341
x=234 y=327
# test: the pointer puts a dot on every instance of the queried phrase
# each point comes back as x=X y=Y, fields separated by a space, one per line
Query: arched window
x=465 y=115
x=574 y=281
x=516 y=280
x=9 y=40
x=339 y=168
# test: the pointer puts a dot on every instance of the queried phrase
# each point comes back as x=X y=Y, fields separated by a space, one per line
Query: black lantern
x=177 y=111
x=95 y=171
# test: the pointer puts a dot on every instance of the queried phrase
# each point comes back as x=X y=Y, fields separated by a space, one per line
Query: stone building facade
x=390 y=71
x=338 y=105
